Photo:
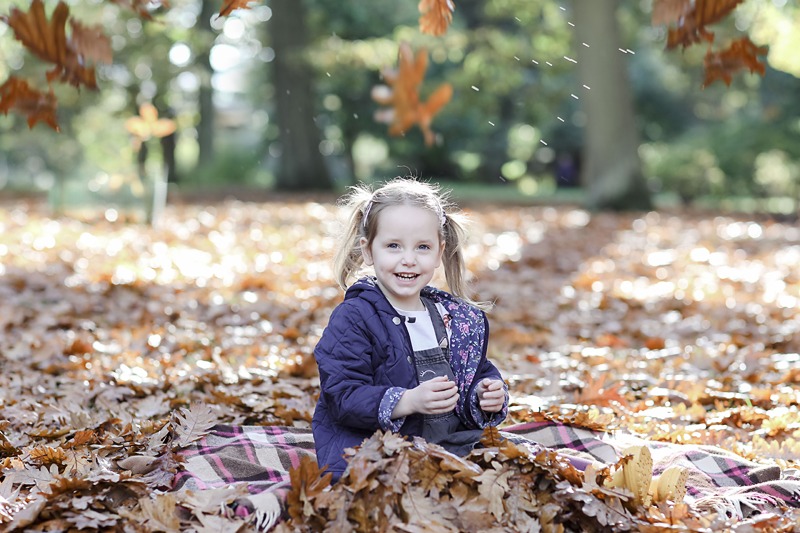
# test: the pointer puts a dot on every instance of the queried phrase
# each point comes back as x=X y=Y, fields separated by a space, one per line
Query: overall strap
x=438 y=323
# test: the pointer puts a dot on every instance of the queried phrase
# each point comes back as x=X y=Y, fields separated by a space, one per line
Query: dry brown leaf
x=192 y=423
x=493 y=486
x=147 y=124
x=734 y=390
x=47 y=455
x=740 y=54
x=47 y=40
x=669 y=11
x=229 y=6
x=16 y=94
x=160 y=512
x=595 y=393
x=435 y=16
x=91 y=42
x=401 y=95
x=308 y=481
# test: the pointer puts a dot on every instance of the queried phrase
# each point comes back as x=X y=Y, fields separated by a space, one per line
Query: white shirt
x=420 y=327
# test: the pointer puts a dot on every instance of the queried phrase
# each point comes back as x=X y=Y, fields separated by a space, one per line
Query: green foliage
x=512 y=112
x=232 y=166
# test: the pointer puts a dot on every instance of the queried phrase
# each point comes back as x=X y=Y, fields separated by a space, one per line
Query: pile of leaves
x=120 y=345
x=502 y=486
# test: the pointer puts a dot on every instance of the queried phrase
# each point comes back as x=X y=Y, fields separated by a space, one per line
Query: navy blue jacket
x=365 y=362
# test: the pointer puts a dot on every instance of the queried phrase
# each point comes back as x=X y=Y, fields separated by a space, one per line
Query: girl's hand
x=433 y=397
x=491 y=395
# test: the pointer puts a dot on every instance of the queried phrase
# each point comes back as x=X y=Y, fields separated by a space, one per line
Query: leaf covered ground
x=121 y=344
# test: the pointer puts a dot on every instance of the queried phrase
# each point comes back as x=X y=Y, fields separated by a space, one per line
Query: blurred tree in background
x=278 y=96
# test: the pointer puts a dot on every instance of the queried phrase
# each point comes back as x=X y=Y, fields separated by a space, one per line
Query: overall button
x=409 y=359
x=396 y=320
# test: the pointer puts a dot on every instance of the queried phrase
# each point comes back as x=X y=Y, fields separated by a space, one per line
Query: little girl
x=397 y=354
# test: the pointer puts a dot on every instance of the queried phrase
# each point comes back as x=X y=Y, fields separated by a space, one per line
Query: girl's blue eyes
x=394 y=245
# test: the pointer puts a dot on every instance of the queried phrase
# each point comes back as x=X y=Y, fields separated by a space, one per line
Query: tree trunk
x=301 y=164
x=205 y=126
x=611 y=169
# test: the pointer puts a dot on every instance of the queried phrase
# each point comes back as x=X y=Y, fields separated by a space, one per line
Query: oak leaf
x=493 y=486
x=16 y=94
x=228 y=6
x=91 y=519
x=77 y=464
x=435 y=16
x=691 y=23
x=491 y=437
x=426 y=514
x=46 y=455
x=82 y=437
x=91 y=42
x=595 y=393
x=47 y=39
x=740 y=54
x=669 y=11
x=401 y=95
x=192 y=424
x=147 y=124
x=308 y=481
x=159 y=512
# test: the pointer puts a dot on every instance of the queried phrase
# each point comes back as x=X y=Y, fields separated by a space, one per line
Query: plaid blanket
x=718 y=480
x=260 y=458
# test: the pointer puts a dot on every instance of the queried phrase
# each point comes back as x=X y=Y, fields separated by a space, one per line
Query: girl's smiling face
x=405 y=253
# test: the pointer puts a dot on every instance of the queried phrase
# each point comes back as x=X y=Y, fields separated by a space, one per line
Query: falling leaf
x=435 y=16
x=229 y=6
x=669 y=11
x=48 y=41
x=691 y=27
x=401 y=94
x=37 y=106
x=147 y=124
x=91 y=42
x=740 y=54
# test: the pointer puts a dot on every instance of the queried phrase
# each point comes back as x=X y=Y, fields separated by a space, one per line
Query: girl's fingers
x=494 y=384
x=440 y=386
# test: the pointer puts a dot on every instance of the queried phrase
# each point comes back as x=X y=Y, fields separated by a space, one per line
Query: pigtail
x=455 y=266
x=348 y=258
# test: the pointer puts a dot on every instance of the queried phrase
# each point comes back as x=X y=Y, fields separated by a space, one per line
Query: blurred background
x=277 y=98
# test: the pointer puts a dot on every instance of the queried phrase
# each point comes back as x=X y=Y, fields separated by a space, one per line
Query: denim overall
x=444 y=429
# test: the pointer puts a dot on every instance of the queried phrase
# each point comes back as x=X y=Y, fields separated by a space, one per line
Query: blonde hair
x=364 y=206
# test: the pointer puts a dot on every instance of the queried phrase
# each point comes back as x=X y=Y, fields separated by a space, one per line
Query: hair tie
x=442 y=216
x=366 y=214
x=439 y=209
